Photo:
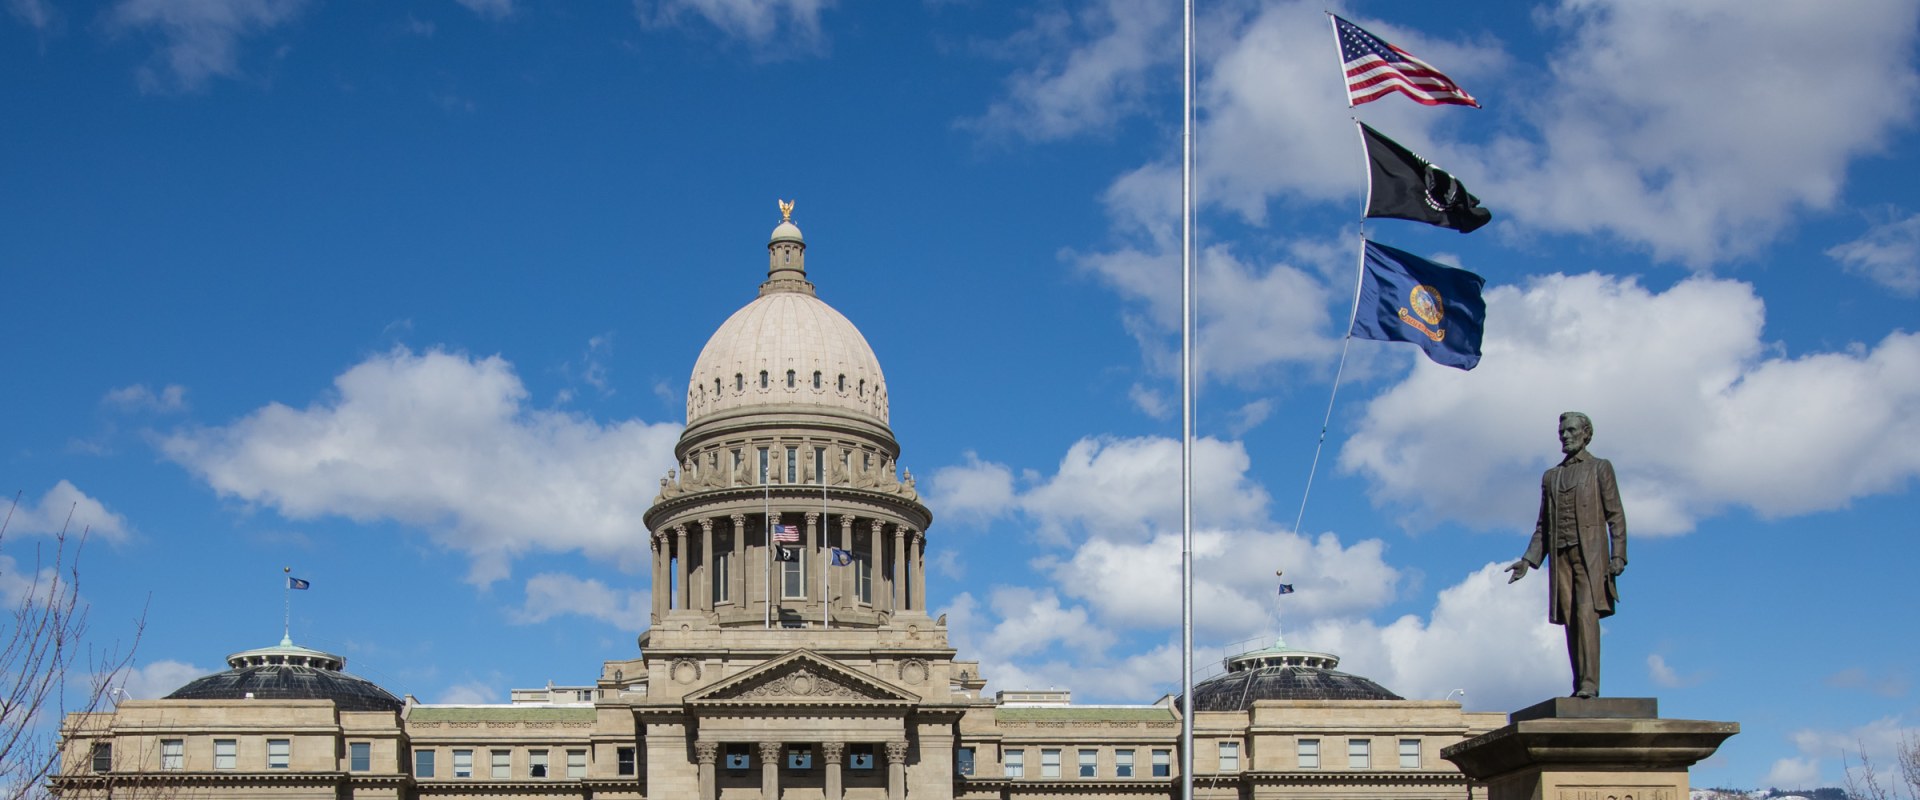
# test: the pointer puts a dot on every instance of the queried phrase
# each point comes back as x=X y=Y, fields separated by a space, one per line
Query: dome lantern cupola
x=786 y=257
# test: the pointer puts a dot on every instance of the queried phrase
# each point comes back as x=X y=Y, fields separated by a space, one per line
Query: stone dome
x=1280 y=672
x=787 y=348
x=289 y=672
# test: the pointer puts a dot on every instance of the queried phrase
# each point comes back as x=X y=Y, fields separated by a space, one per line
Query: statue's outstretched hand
x=1617 y=565
x=1519 y=570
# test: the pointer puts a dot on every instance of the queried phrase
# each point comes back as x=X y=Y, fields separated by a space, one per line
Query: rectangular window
x=1229 y=756
x=819 y=455
x=793 y=463
x=1089 y=763
x=576 y=763
x=1309 y=750
x=626 y=759
x=1123 y=763
x=963 y=761
x=536 y=763
x=863 y=577
x=226 y=754
x=1162 y=763
x=360 y=756
x=423 y=763
x=1016 y=763
x=722 y=568
x=463 y=763
x=763 y=465
x=173 y=754
x=1409 y=753
x=1359 y=755
x=800 y=757
x=102 y=757
x=793 y=574
x=279 y=753
x=1050 y=763
x=860 y=756
x=502 y=764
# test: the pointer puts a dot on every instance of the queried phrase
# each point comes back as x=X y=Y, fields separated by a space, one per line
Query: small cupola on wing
x=786 y=257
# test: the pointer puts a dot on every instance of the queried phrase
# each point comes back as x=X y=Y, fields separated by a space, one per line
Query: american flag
x=1375 y=69
x=786 y=533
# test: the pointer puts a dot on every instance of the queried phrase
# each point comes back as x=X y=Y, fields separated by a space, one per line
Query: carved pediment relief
x=802 y=677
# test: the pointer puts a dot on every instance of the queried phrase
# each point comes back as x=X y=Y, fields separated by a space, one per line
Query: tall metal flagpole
x=826 y=550
x=766 y=527
x=1186 y=408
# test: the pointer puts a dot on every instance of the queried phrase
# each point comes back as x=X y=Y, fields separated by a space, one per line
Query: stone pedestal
x=1607 y=748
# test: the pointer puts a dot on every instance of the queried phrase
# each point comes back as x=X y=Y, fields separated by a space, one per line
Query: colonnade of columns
x=832 y=758
x=687 y=557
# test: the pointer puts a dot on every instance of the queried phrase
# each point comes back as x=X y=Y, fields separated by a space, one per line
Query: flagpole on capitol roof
x=286 y=593
x=1186 y=407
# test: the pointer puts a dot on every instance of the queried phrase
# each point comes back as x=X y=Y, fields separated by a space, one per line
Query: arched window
x=816 y=379
x=763 y=379
x=863 y=387
x=716 y=387
x=739 y=382
x=843 y=384
x=789 y=379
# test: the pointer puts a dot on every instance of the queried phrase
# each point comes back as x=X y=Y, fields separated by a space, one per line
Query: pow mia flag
x=1402 y=185
x=782 y=553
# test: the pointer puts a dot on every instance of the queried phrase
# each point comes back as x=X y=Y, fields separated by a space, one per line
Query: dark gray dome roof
x=289 y=672
x=284 y=682
x=1280 y=672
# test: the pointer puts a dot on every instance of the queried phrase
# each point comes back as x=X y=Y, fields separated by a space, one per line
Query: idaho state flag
x=1406 y=298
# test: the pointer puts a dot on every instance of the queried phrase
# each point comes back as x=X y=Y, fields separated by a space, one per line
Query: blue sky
x=405 y=295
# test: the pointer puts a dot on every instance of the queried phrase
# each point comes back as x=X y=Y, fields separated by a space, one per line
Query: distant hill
x=1771 y=793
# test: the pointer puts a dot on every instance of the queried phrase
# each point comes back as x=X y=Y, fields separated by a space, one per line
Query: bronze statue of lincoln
x=1583 y=532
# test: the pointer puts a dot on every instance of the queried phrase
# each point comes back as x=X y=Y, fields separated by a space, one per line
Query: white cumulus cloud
x=1889 y=255
x=1697 y=411
x=200 y=38
x=551 y=594
x=1483 y=635
x=65 y=508
x=447 y=443
x=757 y=22
x=1118 y=487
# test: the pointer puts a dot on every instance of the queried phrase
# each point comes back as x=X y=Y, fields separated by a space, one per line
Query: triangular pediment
x=802 y=677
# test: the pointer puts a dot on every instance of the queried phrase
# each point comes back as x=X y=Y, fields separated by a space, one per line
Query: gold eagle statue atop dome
x=786 y=210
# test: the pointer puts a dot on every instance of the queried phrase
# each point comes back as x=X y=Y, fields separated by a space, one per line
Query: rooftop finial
x=786 y=210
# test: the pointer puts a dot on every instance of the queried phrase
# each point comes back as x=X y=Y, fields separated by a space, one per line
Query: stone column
x=680 y=566
x=878 y=546
x=770 y=771
x=896 y=771
x=1571 y=748
x=831 y=754
x=739 y=572
x=844 y=578
x=920 y=571
x=706 y=753
x=815 y=556
x=899 y=589
x=660 y=557
x=706 y=564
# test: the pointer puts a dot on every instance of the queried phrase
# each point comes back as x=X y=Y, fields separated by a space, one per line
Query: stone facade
x=791 y=653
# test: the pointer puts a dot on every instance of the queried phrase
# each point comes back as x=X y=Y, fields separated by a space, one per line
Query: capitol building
x=830 y=679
